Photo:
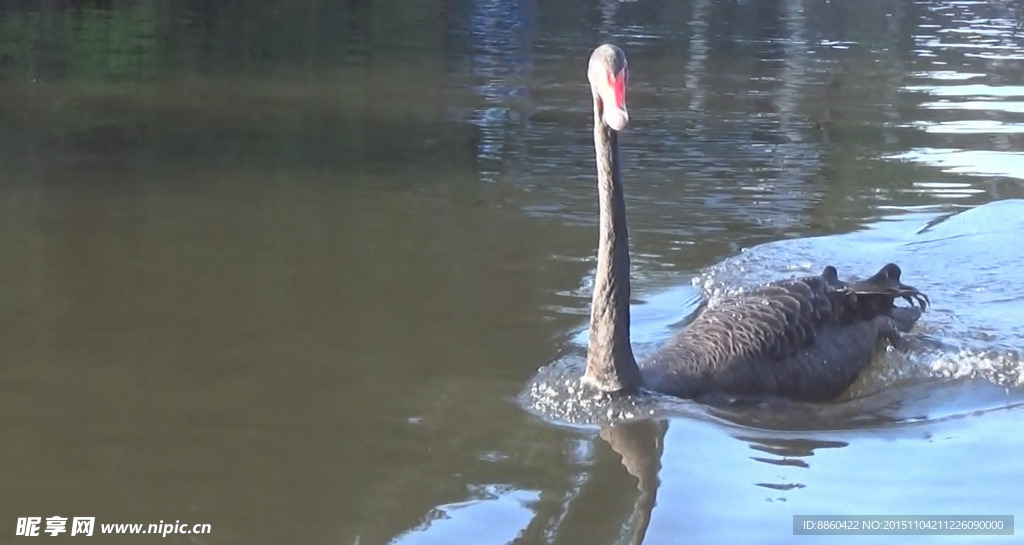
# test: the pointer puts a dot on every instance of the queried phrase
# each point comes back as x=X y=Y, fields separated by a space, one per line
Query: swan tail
x=876 y=296
x=886 y=282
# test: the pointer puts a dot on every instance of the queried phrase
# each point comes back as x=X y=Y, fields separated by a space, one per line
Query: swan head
x=608 y=75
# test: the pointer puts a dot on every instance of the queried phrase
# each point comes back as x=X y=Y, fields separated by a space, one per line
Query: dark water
x=291 y=269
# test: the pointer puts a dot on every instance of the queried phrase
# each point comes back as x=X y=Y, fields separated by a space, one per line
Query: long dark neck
x=610 y=362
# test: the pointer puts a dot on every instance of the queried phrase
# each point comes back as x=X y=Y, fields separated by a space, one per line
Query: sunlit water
x=320 y=273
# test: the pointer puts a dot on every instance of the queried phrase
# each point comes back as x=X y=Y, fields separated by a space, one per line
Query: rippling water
x=321 y=272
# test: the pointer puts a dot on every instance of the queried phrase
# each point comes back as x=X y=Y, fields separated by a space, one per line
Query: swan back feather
x=804 y=338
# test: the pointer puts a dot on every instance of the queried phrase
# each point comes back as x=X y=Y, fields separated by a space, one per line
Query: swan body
x=804 y=338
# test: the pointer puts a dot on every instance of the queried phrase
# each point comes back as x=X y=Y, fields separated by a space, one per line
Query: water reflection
x=640 y=444
x=977 y=117
x=786 y=439
x=602 y=502
x=957 y=161
x=494 y=42
x=458 y=522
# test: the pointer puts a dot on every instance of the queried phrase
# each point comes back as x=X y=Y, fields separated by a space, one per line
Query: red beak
x=613 y=100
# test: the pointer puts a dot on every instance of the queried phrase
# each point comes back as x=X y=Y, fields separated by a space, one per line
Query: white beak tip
x=616 y=118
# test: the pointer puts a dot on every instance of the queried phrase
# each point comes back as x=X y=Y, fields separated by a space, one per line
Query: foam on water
x=556 y=393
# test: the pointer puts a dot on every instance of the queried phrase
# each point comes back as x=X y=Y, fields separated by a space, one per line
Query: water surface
x=316 y=272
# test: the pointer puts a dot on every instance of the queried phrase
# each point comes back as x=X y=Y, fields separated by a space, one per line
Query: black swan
x=806 y=338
